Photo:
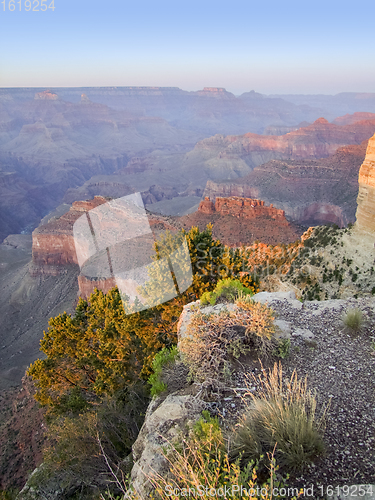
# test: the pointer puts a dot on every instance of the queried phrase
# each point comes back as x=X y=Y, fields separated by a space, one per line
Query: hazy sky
x=269 y=46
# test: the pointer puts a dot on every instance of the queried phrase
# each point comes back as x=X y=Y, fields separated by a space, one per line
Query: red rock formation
x=246 y=208
x=206 y=206
x=53 y=243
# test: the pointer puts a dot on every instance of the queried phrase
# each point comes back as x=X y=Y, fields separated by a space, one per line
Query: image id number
x=28 y=5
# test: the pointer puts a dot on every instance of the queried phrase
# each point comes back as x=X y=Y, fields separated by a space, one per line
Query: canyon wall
x=53 y=247
x=311 y=192
x=366 y=196
x=53 y=243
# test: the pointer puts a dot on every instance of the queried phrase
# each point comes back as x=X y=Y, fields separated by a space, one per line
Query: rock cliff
x=366 y=197
x=319 y=350
x=53 y=243
x=53 y=247
x=318 y=140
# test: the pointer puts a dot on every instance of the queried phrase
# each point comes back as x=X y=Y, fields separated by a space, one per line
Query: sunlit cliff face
x=366 y=196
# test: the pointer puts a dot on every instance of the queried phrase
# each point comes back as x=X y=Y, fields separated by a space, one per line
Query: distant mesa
x=216 y=92
x=47 y=95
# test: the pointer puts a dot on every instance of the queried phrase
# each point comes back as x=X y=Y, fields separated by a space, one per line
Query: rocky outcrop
x=53 y=248
x=242 y=208
x=165 y=421
x=366 y=197
x=53 y=243
x=236 y=222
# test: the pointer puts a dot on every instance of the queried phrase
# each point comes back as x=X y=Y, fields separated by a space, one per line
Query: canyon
x=310 y=191
x=235 y=221
x=110 y=143
x=63 y=145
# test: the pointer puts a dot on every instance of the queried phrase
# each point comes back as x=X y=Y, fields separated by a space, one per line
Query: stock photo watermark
x=237 y=490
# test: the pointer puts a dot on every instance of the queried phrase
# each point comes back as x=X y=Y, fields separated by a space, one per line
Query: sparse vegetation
x=283 y=349
x=201 y=463
x=353 y=320
x=226 y=290
x=163 y=358
x=213 y=339
x=281 y=414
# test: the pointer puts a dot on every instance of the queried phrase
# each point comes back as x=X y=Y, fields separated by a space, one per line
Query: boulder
x=164 y=423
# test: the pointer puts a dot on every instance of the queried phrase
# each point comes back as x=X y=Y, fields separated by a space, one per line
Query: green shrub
x=8 y=494
x=162 y=358
x=282 y=414
x=282 y=349
x=81 y=447
x=226 y=289
x=353 y=320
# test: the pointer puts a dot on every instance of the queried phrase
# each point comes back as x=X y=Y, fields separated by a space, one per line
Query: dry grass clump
x=212 y=341
x=281 y=414
x=353 y=320
x=257 y=317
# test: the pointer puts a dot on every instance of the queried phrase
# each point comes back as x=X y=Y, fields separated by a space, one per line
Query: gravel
x=341 y=368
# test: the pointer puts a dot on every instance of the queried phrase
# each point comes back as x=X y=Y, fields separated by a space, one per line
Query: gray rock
x=283 y=329
x=304 y=333
x=271 y=296
x=162 y=426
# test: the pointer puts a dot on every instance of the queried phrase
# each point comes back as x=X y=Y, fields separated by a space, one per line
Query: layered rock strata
x=53 y=248
x=366 y=196
x=311 y=192
x=53 y=243
x=246 y=208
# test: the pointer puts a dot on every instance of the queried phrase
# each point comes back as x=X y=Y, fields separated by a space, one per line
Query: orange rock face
x=246 y=208
x=366 y=196
x=206 y=206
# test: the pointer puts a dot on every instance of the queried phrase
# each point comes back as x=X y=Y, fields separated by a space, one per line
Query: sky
x=304 y=47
